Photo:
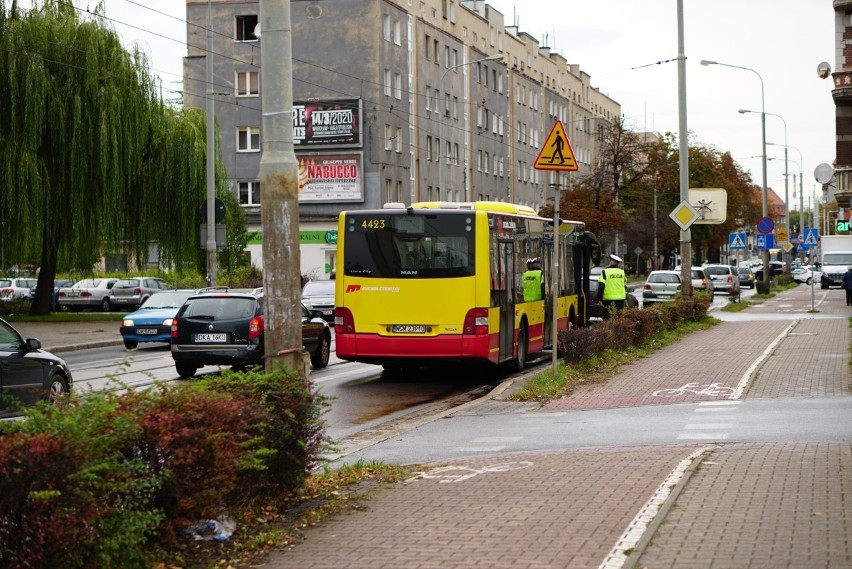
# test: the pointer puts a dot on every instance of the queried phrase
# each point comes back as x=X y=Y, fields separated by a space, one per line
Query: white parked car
x=806 y=275
x=15 y=288
x=86 y=293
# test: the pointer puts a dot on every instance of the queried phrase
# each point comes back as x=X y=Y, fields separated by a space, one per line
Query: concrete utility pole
x=211 y=158
x=683 y=138
x=279 y=195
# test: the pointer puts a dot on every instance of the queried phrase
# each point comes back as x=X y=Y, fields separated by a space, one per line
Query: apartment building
x=394 y=101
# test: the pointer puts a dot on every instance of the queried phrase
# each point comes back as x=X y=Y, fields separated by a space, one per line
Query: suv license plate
x=211 y=337
x=408 y=329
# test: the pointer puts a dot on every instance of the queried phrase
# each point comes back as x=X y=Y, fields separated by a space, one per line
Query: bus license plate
x=408 y=329
x=211 y=337
x=147 y=331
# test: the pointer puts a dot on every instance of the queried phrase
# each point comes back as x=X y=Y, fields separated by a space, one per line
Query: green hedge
x=105 y=480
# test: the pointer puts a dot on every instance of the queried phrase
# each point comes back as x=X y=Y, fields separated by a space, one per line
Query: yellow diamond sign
x=684 y=215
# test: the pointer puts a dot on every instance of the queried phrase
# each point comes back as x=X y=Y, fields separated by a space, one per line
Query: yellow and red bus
x=441 y=282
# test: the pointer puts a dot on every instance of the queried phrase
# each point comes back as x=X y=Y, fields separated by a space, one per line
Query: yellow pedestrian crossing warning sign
x=556 y=152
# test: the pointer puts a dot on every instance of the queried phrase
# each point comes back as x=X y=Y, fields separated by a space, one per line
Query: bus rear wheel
x=521 y=360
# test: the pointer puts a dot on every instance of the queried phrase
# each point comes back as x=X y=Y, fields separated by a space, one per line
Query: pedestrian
x=847 y=285
x=612 y=284
x=533 y=281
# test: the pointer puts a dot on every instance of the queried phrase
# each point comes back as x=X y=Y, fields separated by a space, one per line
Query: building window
x=397 y=85
x=429 y=148
x=455 y=108
x=245 y=26
x=248 y=139
x=428 y=47
x=388 y=137
x=428 y=98
x=435 y=50
x=479 y=160
x=397 y=33
x=248 y=83
x=387 y=82
x=399 y=192
x=386 y=27
x=249 y=193
x=456 y=153
x=388 y=195
x=398 y=138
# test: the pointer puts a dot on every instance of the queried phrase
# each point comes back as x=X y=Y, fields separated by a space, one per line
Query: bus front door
x=505 y=297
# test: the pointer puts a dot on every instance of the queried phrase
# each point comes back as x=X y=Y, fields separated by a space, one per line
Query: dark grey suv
x=227 y=329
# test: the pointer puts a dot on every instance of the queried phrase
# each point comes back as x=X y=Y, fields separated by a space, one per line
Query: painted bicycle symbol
x=712 y=389
x=462 y=473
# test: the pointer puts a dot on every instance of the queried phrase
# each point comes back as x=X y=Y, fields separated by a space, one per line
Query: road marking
x=481 y=449
x=706 y=426
x=703 y=437
x=460 y=473
x=496 y=439
x=631 y=536
x=718 y=404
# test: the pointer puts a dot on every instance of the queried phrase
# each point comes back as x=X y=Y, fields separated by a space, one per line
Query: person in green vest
x=612 y=284
x=533 y=281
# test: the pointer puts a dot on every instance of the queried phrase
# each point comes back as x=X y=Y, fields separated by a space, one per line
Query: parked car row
x=104 y=294
x=665 y=285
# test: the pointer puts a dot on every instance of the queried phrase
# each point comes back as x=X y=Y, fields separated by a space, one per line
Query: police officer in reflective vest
x=533 y=281
x=612 y=284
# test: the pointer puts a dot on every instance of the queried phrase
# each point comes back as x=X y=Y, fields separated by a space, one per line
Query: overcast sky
x=619 y=44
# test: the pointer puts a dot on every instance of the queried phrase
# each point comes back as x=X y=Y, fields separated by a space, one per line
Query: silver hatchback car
x=134 y=291
x=725 y=280
x=661 y=286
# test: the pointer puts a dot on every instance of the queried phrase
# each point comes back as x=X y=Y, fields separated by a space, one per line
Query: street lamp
x=763 y=142
x=443 y=112
x=786 y=174
x=801 y=168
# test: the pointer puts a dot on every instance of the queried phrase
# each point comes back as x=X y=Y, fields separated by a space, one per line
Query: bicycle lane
x=710 y=365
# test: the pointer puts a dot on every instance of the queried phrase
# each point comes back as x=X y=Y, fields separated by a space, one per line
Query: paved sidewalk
x=691 y=505
x=72 y=335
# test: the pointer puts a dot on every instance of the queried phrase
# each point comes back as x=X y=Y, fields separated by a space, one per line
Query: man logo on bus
x=353 y=288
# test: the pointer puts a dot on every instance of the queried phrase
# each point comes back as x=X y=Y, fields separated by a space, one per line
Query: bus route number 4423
x=408 y=329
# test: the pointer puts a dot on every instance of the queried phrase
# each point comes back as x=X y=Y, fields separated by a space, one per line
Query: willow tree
x=89 y=154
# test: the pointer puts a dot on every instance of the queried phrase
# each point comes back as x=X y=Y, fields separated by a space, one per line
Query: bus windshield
x=404 y=245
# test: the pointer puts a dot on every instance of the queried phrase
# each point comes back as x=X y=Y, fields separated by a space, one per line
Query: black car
x=599 y=310
x=54 y=303
x=227 y=329
x=775 y=268
x=28 y=374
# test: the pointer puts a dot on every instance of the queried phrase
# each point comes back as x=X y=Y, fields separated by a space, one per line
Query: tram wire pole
x=554 y=277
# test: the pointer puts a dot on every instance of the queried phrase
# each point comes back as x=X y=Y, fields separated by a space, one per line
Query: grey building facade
x=418 y=100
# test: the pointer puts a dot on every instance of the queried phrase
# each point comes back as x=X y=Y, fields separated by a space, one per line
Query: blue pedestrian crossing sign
x=737 y=241
x=764 y=241
x=810 y=238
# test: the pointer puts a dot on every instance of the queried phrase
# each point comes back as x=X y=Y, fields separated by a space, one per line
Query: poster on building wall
x=328 y=123
x=330 y=177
